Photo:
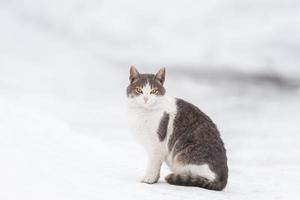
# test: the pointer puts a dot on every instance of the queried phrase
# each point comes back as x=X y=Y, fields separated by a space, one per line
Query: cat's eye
x=154 y=91
x=138 y=90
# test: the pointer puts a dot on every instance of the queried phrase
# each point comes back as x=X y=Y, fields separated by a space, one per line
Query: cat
x=175 y=132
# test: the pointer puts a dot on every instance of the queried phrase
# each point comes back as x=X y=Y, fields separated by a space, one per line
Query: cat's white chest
x=145 y=125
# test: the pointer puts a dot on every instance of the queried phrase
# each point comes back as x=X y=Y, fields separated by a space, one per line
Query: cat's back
x=192 y=126
x=191 y=117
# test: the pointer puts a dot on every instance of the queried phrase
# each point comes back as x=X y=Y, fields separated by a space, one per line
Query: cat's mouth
x=146 y=104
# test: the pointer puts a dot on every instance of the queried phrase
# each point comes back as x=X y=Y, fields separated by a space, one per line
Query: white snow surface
x=63 y=130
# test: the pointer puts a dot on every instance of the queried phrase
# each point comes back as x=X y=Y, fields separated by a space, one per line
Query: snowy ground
x=63 y=131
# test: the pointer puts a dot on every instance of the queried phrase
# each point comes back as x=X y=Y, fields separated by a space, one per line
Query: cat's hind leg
x=202 y=170
x=194 y=175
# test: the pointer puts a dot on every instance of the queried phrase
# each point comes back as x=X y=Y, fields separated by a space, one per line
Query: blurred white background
x=63 y=73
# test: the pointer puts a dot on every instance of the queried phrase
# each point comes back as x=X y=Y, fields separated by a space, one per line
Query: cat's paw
x=150 y=179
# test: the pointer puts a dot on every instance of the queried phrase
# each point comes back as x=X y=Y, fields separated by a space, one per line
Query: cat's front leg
x=153 y=169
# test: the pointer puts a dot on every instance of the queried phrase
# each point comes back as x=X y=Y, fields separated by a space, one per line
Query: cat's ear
x=134 y=74
x=160 y=75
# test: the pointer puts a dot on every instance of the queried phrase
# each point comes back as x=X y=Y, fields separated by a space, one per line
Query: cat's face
x=146 y=90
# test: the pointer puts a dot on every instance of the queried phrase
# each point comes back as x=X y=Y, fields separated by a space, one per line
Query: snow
x=252 y=35
x=63 y=130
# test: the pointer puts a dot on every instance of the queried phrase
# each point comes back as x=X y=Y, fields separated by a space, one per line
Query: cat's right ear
x=134 y=74
x=160 y=75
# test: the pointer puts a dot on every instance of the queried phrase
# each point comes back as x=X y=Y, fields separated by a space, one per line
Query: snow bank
x=261 y=36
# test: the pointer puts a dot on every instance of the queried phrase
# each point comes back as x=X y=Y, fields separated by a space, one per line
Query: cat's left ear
x=134 y=74
x=160 y=75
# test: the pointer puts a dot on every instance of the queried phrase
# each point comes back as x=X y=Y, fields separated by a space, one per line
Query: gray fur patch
x=196 y=140
x=163 y=126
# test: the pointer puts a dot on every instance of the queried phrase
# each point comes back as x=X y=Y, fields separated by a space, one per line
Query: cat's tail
x=198 y=181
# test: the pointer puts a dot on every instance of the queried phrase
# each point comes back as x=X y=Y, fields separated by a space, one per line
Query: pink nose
x=146 y=99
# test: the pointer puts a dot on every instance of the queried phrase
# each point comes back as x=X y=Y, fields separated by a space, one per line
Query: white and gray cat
x=175 y=132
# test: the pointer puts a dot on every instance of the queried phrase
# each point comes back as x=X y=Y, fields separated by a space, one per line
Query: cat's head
x=146 y=90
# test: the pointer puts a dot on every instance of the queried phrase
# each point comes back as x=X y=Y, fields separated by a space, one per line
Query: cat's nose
x=146 y=99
